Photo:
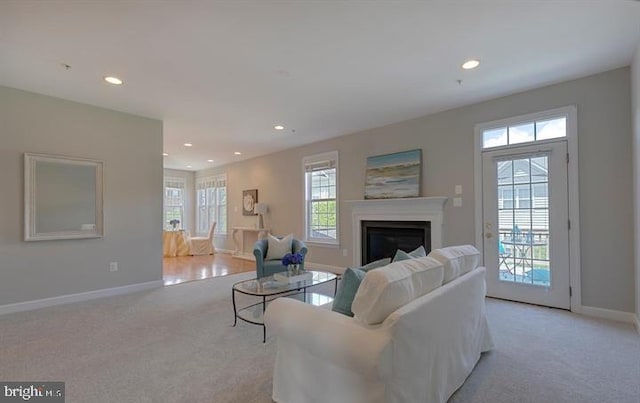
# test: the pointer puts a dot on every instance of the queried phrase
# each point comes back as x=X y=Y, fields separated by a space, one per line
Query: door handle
x=488 y=234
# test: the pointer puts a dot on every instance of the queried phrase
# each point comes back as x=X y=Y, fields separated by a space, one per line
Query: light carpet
x=176 y=344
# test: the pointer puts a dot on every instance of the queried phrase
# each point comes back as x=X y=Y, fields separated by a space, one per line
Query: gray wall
x=131 y=149
x=635 y=102
x=446 y=138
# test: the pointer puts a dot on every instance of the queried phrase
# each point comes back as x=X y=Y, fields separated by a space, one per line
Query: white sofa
x=421 y=352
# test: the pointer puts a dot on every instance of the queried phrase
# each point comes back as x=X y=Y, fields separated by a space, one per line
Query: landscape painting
x=393 y=176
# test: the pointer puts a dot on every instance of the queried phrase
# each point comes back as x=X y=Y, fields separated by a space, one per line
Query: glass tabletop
x=268 y=286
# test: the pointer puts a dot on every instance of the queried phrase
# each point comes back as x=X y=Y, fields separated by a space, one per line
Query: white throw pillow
x=457 y=260
x=386 y=289
x=279 y=247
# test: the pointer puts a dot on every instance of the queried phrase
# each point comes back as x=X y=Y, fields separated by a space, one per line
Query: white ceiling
x=221 y=74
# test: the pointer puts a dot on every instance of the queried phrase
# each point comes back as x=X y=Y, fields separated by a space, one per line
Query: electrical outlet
x=457 y=202
x=345 y=252
x=113 y=266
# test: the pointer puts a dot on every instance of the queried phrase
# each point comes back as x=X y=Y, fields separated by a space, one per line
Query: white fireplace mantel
x=409 y=209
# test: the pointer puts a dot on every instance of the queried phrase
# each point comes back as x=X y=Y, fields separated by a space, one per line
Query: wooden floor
x=176 y=270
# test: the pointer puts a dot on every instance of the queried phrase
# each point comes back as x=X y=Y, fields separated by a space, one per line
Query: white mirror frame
x=31 y=211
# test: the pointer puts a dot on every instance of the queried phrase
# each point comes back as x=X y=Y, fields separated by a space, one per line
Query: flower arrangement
x=292 y=258
x=174 y=222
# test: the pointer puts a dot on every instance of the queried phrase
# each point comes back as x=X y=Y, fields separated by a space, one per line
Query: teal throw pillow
x=402 y=255
x=350 y=283
x=418 y=252
x=347 y=290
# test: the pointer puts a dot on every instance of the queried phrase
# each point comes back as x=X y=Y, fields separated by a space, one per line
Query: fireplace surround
x=414 y=209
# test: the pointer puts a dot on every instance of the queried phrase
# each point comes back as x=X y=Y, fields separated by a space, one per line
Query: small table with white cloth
x=175 y=243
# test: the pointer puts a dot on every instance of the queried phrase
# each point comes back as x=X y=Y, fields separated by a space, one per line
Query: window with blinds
x=173 y=202
x=321 y=198
x=211 y=194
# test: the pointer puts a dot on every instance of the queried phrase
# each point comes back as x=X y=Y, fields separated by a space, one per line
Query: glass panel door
x=525 y=215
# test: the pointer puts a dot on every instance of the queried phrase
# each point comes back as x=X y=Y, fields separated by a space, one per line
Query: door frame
x=570 y=112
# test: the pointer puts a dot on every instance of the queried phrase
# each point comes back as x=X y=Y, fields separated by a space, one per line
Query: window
x=173 y=202
x=321 y=195
x=211 y=193
x=536 y=130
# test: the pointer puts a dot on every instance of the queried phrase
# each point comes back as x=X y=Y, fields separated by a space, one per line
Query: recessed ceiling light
x=470 y=64
x=209 y=160
x=188 y=144
x=237 y=153
x=278 y=127
x=165 y=154
x=188 y=166
x=113 y=80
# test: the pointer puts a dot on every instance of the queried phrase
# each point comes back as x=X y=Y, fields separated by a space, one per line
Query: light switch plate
x=458 y=189
x=457 y=202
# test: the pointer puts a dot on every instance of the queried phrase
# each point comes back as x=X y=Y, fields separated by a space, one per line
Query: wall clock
x=249 y=199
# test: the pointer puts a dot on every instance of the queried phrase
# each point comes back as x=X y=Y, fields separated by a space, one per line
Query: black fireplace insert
x=381 y=239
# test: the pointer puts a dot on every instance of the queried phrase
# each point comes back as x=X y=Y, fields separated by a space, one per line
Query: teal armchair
x=266 y=267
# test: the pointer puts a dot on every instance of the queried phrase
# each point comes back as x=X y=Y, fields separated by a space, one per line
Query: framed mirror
x=62 y=197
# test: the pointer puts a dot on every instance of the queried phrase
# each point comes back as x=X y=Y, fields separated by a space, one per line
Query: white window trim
x=331 y=155
x=213 y=178
x=571 y=113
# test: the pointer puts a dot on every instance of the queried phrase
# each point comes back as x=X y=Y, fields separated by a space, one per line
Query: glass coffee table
x=267 y=289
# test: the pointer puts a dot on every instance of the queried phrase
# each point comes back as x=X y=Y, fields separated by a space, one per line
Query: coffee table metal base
x=254 y=313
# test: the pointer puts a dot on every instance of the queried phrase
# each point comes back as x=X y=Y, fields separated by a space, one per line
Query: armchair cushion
x=278 y=247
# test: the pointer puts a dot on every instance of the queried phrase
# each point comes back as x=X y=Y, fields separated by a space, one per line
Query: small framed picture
x=249 y=199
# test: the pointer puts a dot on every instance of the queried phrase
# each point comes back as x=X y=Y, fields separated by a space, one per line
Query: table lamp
x=260 y=209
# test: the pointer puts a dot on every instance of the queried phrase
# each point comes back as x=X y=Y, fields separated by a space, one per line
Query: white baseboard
x=83 y=296
x=619 y=316
x=334 y=269
x=225 y=251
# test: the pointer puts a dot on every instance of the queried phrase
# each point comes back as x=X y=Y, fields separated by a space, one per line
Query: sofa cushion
x=457 y=260
x=402 y=255
x=278 y=247
x=349 y=285
x=386 y=289
x=376 y=264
